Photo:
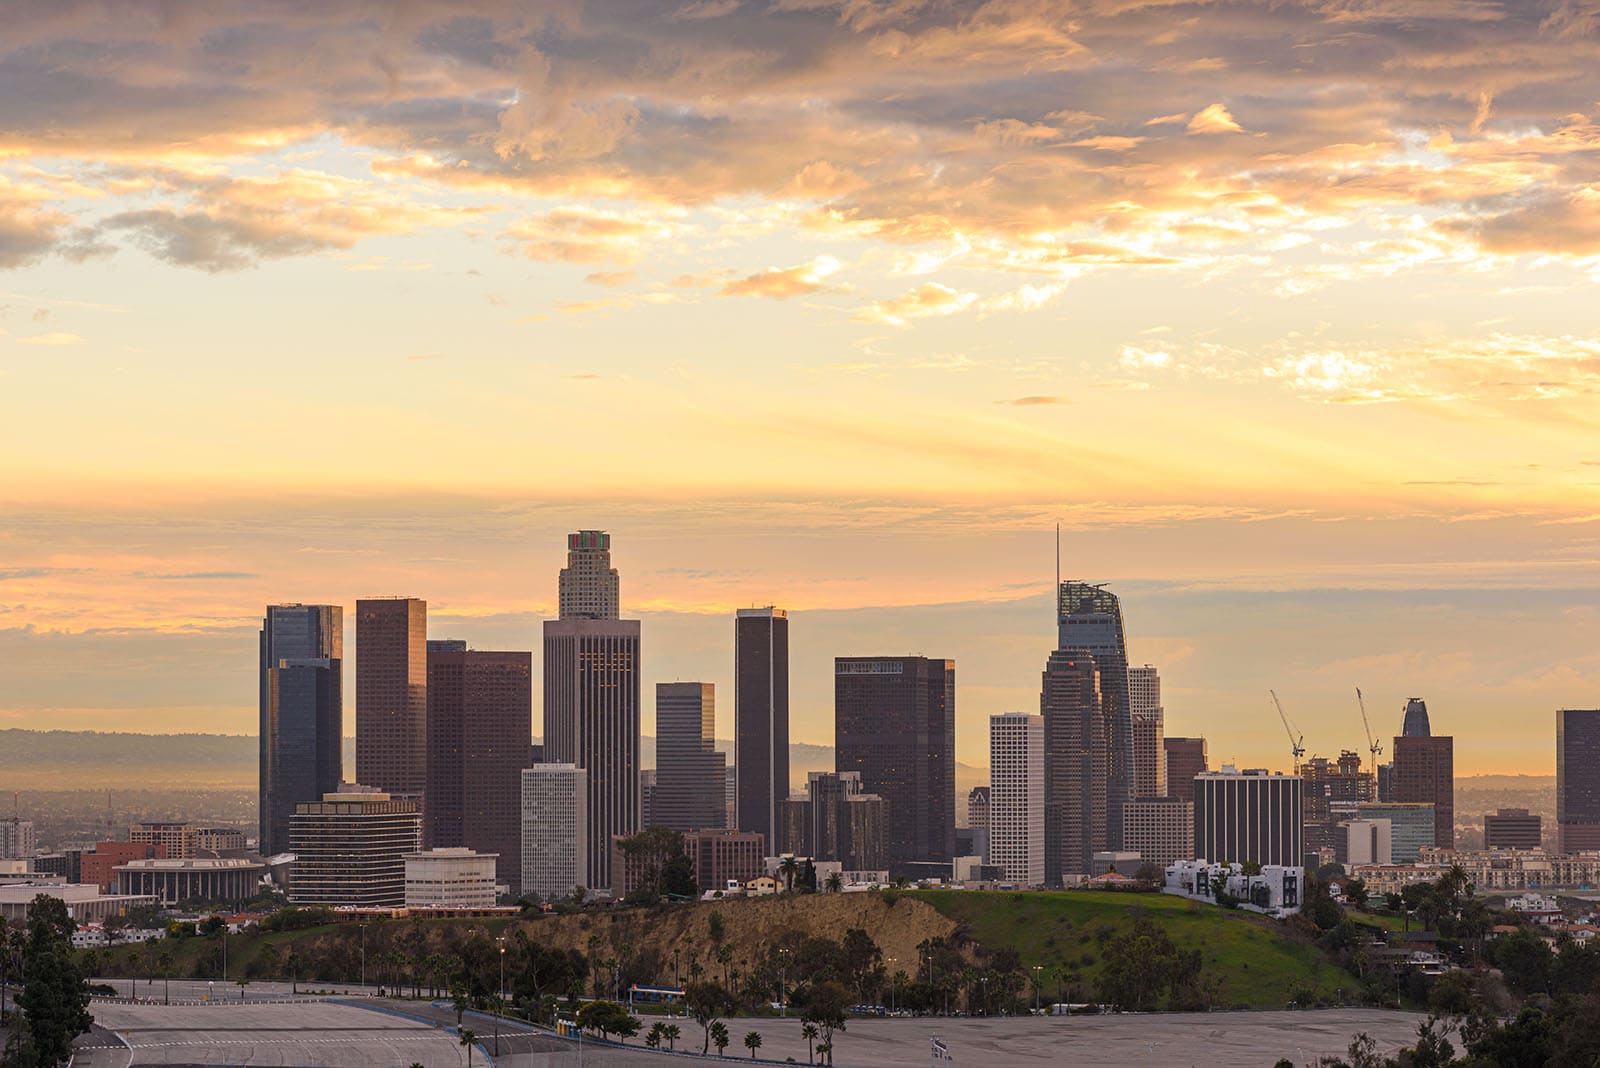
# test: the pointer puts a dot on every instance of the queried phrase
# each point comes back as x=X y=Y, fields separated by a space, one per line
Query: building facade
x=301 y=708
x=895 y=725
x=691 y=776
x=1512 y=828
x=392 y=695
x=761 y=718
x=555 y=830
x=836 y=819
x=1089 y=617
x=480 y=717
x=1424 y=773
x=1369 y=842
x=1077 y=766
x=1149 y=729
x=1415 y=724
x=1249 y=817
x=1411 y=827
x=1159 y=829
x=99 y=867
x=589 y=587
x=1016 y=797
x=1578 y=778
x=451 y=878
x=1186 y=758
x=724 y=856
x=17 y=839
x=350 y=849
x=229 y=881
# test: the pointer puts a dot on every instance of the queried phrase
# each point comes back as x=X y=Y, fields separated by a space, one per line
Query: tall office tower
x=480 y=717
x=1090 y=618
x=1512 y=828
x=1144 y=706
x=295 y=632
x=1076 y=765
x=760 y=718
x=1411 y=827
x=589 y=585
x=350 y=848
x=895 y=723
x=17 y=839
x=1186 y=758
x=1386 y=781
x=555 y=838
x=836 y=819
x=1416 y=721
x=647 y=797
x=1424 y=772
x=1578 y=778
x=691 y=775
x=1016 y=797
x=392 y=695
x=1159 y=829
x=1248 y=817
x=978 y=808
x=303 y=743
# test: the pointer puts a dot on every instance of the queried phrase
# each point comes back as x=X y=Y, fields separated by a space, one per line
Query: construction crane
x=1296 y=742
x=1373 y=746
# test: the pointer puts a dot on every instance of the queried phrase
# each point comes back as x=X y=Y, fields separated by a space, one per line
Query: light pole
x=891 y=984
x=224 y=956
x=1037 y=968
x=783 y=1004
x=500 y=1005
x=985 y=981
x=363 y=956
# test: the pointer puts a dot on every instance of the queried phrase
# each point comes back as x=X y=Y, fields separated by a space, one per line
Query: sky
x=1284 y=311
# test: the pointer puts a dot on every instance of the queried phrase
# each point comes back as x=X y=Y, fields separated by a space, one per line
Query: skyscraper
x=1416 y=721
x=895 y=724
x=1424 y=773
x=1578 y=778
x=1248 y=817
x=480 y=718
x=1186 y=758
x=1144 y=705
x=589 y=586
x=1016 y=797
x=306 y=633
x=761 y=718
x=555 y=838
x=1076 y=765
x=691 y=775
x=1090 y=618
x=591 y=697
x=392 y=695
x=350 y=848
x=836 y=819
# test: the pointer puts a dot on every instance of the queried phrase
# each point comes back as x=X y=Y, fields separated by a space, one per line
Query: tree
x=719 y=1036
x=706 y=1003
x=55 y=1003
x=663 y=865
x=835 y=882
x=459 y=999
x=808 y=1031
x=672 y=1033
x=1142 y=965
x=789 y=868
x=608 y=1018
x=826 y=1005
x=752 y=1042
x=468 y=1039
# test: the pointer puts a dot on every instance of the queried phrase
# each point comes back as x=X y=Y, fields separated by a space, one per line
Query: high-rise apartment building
x=301 y=727
x=480 y=719
x=392 y=695
x=691 y=776
x=1416 y=719
x=1424 y=773
x=1512 y=828
x=1186 y=758
x=761 y=718
x=1016 y=797
x=1578 y=778
x=895 y=724
x=1250 y=816
x=1076 y=765
x=350 y=848
x=1090 y=618
x=1149 y=727
x=589 y=587
x=1159 y=829
x=17 y=839
x=836 y=819
x=1333 y=789
x=555 y=838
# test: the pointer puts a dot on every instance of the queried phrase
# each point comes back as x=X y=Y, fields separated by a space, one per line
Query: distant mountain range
x=98 y=760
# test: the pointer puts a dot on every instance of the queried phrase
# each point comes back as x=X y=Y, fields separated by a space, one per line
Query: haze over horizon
x=1283 y=310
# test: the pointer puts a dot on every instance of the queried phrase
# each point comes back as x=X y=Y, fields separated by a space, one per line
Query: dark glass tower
x=392 y=695
x=1416 y=722
x=761 y=719
x=691 y=776
x=1578 y=778
x=302 y=712
x=1076 y=757
x=1090 y=618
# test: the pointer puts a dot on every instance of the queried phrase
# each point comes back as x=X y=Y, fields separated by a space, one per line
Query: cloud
x=54 y=340
x=781 y=283
x=1029 y=402
x=590 y=235
x=1214 y=119
x=926 y=301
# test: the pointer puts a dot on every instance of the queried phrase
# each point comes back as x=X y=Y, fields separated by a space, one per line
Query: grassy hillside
x=1257 y=962
x=1260 y=962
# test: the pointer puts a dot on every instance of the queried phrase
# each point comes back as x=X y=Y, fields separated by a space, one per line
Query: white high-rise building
x=1016 y=796
x=589 y=586
x=1149 y=728
x=555 y=830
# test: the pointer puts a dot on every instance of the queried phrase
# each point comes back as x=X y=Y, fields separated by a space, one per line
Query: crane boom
x=1372 y=743
x=1296 y=743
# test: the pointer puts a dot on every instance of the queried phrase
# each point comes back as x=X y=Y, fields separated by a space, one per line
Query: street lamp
x=891 y=961
x=363 y=956
x=783 y=1005
x=1037 y=968
x=500 y=1006
x=985 y=981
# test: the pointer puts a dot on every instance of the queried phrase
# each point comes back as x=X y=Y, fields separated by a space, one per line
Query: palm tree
x=672 y=1032
x=718 y=1034
x=835 y=882
x=468 y=1039
x=752 y=1042
x=809 y=1033
x=789 y=867
x=296 y=964
x=164 y=962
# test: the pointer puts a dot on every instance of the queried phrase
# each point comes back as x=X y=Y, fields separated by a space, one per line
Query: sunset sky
x=1287 y=312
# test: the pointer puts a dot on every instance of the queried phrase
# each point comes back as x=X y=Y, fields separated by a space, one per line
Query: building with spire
x=1089 y=618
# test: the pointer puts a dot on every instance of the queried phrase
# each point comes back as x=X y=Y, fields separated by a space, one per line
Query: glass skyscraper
x=1090 y=618
x=302 y=713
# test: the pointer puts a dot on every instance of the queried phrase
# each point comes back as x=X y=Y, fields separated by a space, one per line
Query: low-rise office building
x=229 y=881
x=455 y=877
x=85 y=903
x=350 y=848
